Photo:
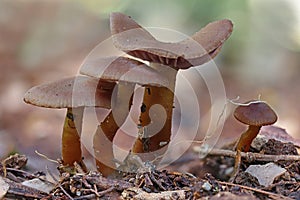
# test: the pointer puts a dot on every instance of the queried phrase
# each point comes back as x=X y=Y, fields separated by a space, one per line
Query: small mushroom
x=256 y=115
x=126 y=72
x=73 y=93
x=167 y=58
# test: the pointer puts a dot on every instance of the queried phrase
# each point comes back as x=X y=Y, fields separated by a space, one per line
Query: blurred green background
x=42 y=41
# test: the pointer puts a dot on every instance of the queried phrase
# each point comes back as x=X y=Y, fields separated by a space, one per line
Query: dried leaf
x=3 y=188
x=39 y=184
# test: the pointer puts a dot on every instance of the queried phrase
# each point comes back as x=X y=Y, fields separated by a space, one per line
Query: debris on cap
x=123 y=69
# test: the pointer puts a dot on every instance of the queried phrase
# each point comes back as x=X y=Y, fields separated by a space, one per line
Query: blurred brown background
x=42 y=41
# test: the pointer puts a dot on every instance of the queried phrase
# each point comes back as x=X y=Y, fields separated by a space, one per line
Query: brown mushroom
x=127 y=72
x=255 y=114
x=133 y=39
x=73 y=93
x=167 y=58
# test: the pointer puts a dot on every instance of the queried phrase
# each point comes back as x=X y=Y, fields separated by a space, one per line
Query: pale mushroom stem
x=106 y=131
x=150 y=139
x=247 y=137
x=71 y=145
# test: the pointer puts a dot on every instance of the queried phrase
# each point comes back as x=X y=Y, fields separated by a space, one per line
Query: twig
x=251 y=156
x=22 y=172
x=157 y=182
x=50 y=173
x=28 y=175
x=96 y=193
x=19 y=191
x=106 y=191
x=44 y=156
x=58 y=183
x=65 y=192
x=139 y=194
x=89 y=196
x=270 y=194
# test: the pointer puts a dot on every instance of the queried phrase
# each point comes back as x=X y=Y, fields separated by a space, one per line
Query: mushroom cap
x=131 y=38
x=123 y=69
x=78 y=91
x=255 y=114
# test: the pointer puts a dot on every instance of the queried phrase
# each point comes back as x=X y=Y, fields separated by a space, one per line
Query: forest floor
x=271 y=170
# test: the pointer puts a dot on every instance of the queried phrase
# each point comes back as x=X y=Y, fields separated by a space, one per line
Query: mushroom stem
x=71 y=146
x=247 y=137
x=103 y=147
x=155 y=121
x=106 y=131
x=243 y=145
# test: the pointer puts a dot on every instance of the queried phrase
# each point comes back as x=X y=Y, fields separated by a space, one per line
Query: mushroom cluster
x=109 y=83
x=167 y=59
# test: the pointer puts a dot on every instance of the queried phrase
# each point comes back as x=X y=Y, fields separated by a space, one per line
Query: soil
x=203 y=179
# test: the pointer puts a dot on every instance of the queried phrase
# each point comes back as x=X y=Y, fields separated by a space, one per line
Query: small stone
x=78 y=193
x=259 y=142
x=265 y=174
x=229 y=170
x=206 y=186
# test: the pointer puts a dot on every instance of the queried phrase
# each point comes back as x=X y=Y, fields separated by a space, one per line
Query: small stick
x=251 y=156
x=50 y=173
x=96 y=193
x=89 y=196
x=19 y=191
x=142 y=195
x=106 y=191
x=58 y=183
x=28 y=174
x=44 y=156
x=21 y=172
x=65 y=192
x=270 y=194
x=93 y=196
x=237 y=164
x=157 y=182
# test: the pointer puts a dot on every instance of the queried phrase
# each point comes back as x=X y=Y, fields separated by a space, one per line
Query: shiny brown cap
x=131 y=38
x=255 y=114
x=123 y=69
x=71 y=92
